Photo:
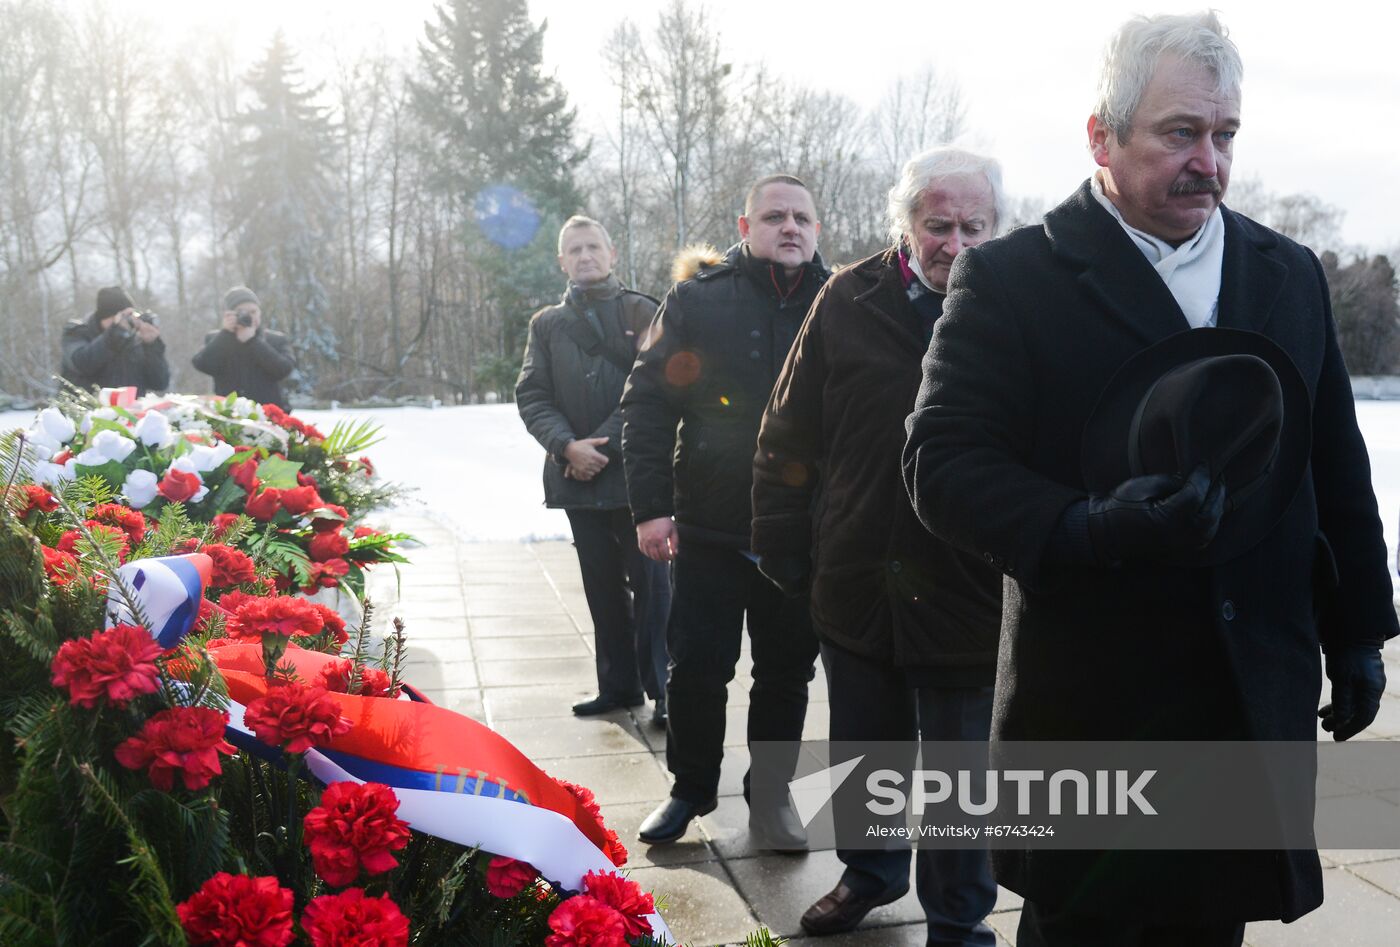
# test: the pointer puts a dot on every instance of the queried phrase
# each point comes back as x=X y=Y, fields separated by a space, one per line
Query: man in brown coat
x=908 y=624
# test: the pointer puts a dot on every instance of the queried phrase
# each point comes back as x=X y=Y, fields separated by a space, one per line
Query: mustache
x=1196 y=186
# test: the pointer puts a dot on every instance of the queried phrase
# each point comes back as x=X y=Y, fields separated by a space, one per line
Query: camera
x=245 y=319
x=148 y=317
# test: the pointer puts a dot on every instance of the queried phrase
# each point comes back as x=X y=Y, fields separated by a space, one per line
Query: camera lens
x=245 y=318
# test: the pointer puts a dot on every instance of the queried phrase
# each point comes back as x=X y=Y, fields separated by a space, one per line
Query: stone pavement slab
x=501 y=631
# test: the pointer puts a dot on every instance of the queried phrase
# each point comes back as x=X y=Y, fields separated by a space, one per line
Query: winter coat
x=571 y=381
x=254 y=369
x=882 y=585
x=692 y=405
x=1035 y=325
x=112 y=358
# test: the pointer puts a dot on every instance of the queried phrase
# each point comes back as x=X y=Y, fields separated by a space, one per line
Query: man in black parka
x=577 y=357
x=1106 y=635
x=691 y=413
x=244 y=356
x=114 y=347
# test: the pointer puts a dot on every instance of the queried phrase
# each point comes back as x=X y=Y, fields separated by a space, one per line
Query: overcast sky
x=1321 y=103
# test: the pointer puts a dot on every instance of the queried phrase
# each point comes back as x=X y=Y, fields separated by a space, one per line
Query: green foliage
x=278 y=473
x=351 y=437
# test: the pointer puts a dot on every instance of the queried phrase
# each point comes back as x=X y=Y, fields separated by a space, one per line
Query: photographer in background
x=115 y=347
x=244 y=357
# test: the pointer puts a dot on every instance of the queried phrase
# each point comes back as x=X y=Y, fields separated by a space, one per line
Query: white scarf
x=918 y=270
x=1191 y=271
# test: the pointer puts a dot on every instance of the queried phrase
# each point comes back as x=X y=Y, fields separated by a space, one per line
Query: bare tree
x=917 y=112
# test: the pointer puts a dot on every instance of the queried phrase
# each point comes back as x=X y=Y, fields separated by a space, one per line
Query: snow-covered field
x=477 y=470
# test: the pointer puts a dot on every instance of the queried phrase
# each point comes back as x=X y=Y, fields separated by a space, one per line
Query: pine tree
x=285 y=205
x=503 y=148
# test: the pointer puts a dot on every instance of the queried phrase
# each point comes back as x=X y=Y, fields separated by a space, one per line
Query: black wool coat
x=694 y=399
x=569 y=387
x=827 y=482
x=1034 y=326
x=254 y=369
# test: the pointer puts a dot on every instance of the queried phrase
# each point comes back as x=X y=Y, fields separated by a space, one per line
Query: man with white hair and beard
x=1148 y=605
x=908 y=624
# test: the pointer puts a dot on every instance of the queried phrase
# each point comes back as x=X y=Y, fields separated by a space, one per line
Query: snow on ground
x=475 y=468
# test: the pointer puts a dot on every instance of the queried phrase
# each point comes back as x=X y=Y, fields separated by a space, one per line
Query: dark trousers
x=874 y=701
x=629 y=597
x=1041 y=926
x=715 y=588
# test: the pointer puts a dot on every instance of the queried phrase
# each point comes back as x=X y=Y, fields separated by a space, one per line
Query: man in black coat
x=1109 y=631
x=691 y=413
x=908 y=624
x=243 y=356
x=577 y=357
x=114 y=347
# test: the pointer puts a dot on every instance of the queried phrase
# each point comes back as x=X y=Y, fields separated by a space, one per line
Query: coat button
x=754 y=333
x=895 y=566
x=754 y=355
x=1227 y=610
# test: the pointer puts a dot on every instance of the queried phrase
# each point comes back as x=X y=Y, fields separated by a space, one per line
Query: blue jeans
x=871 y=700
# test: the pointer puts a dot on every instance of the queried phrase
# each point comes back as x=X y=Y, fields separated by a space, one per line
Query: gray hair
x=1132 y=54
x=926 y=168
x=577 y=221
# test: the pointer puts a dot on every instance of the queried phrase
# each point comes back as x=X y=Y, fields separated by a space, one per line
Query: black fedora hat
x=1227 y=398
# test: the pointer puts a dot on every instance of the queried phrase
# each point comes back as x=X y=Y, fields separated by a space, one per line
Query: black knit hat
x=238 y=296
x=110 y=301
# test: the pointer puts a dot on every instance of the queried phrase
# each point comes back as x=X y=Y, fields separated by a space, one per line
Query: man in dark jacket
x=908 y=624
x=244 y=357
x=114 y=347
x=577 y=358
x=1117 y=625
x=690 y=422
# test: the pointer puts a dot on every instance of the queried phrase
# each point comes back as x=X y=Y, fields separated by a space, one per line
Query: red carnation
x=369 y=467
x=264 y=506
x=68 y=542
x=177 y=486
x=222 y=522
x=326 y=574
x=333 y=623
x=37 y=498
x=329 y=518
x=624 y=896
x=118 y=664
x=507 y=877
x=231 y=567
x=354 y=827
x=326 y=546
x=127 y=520
x=583 y=921
x=350 y=919
x=335 y=677
x=295 y=717
x=61 y=567
x=282 y=616
x=612 y=845
x=306 y=480
x=299 y=500
x=245 y=474
x=362 y=531
x=183 y=740
x=238 y=911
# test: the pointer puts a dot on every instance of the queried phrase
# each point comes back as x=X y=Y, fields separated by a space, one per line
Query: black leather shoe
x=601 y=705
x=658 y=715
x=671 y=819
x=779 y=830
x=841 y=909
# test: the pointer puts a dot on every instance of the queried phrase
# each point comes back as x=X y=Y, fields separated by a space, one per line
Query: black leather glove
x=1357 y=674
x=1156 y=515
x=790 y=572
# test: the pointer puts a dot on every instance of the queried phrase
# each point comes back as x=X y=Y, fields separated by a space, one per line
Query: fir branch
x=361 y=652
x=400 y=641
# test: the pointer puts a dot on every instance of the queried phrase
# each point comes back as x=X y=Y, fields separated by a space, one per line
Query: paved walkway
x=500 y=631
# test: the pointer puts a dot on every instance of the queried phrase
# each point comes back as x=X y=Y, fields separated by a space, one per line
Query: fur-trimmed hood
x=693 y=258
